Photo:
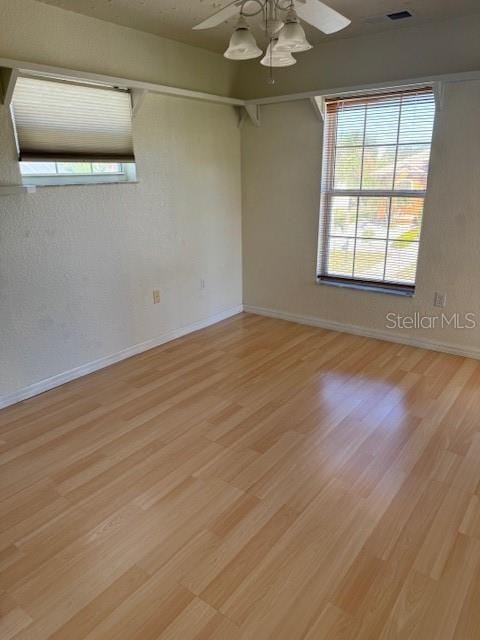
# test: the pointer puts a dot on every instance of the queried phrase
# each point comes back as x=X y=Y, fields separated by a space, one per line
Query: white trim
x=439 y=93
x=8 y=80
x=379 y=193
x=90 y=367
x=21 y=66
x=467 y=76
x=253 y=112
x=138 y=96
x=363 y=331
x=318 y=104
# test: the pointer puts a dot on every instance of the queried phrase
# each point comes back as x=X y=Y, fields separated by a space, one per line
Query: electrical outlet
x=440 y=299
x=156 y=296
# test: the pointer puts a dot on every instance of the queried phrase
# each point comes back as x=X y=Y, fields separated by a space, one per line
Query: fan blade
x=220 y=16
x=321 y=16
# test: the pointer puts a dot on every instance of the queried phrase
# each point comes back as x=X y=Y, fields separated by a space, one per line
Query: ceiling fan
x=280 y=21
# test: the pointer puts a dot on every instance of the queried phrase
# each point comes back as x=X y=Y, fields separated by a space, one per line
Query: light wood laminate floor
x=257 y=479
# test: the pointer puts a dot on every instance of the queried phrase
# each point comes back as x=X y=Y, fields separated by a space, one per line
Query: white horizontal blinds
x=57 y=121
x=376 y=161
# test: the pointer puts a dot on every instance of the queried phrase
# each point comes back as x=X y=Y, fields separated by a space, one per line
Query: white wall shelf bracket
x=138 y=96
x=253 y=112
x=318 y=104
x=439 y=93
x=8 y=79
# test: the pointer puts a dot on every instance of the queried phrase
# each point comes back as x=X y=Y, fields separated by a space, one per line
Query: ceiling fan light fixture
x=292 y=37
x=242 y=44
x=276 y=58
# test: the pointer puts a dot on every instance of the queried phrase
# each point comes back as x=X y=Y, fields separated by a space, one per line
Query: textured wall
x=39 y=33
x=78 y=263
x=444 y=47
x=281 y=165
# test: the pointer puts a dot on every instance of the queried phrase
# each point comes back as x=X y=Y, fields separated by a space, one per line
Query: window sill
x=374 y=288
x=78 y=184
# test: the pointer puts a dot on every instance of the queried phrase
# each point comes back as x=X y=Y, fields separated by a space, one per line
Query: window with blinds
x=60 y=121
x=375 y=169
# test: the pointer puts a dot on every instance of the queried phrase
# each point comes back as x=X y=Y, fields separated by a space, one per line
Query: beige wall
x=281 y=166
x=445 y=47
x=78 y=264
x=43 y=34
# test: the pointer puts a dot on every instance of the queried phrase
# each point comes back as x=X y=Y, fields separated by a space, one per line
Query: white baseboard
x=90 y=367
x=363 y=331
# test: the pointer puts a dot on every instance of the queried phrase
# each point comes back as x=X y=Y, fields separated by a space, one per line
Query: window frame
x=126 y=162
x=328 y=192
x=127 y=174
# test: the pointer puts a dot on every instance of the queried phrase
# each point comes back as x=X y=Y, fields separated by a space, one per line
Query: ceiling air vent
x=399 y=15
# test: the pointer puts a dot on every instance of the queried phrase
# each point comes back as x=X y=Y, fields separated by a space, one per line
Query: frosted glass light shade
x=242 y=54
x=277 y=58
x=242 y=43
x=292 y=37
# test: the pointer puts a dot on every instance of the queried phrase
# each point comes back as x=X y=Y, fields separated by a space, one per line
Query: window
x=51 y=173
x=376 y=161
x=71 y=133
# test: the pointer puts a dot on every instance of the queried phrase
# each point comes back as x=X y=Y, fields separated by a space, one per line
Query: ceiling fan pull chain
x=271 y=79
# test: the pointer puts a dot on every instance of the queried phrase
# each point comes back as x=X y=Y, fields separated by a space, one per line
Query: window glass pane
x=378 y=168
x=402 y=261
x=412 y=167
x=348 y=163
x=378 y=147
x=74 y=168
x=382 y=122
x=416 y=121
x=340 y=257
x=37 y=168
x=70 y=168
x=373 y=217
x=350 y=126
x=106 y=167
x=406 y=219
x=343 y=216
x=370 y=259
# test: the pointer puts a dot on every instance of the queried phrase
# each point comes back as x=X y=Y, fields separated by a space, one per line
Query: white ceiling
x=175 y=18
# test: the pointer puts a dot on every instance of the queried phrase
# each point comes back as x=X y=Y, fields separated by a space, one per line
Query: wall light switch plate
x=440 y=299
x=156 y=296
